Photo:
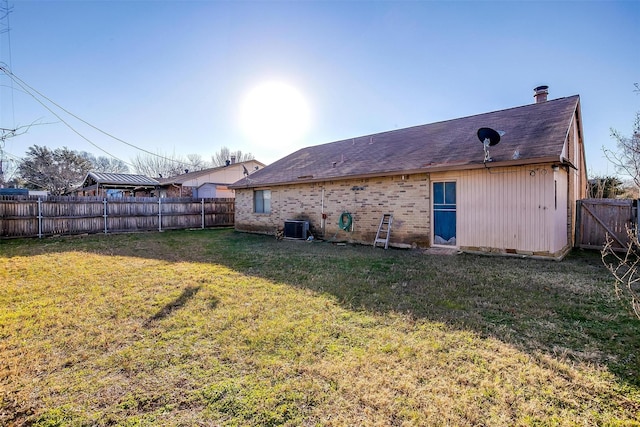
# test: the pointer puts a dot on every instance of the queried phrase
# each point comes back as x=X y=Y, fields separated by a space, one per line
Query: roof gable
x=534 y=132
x=185 y=177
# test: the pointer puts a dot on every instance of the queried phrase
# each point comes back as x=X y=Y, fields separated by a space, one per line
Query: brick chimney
x=540 y=94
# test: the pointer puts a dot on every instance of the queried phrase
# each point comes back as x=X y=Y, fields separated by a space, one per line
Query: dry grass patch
x=219 y=328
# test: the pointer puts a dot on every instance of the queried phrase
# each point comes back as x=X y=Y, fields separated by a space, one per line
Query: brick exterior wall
x=176 y=191
x=406 y=197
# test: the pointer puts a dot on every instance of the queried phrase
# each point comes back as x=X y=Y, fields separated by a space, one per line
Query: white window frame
x=262 y=204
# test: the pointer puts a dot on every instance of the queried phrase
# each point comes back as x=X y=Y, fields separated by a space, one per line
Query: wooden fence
x=599 y=218
x=23 y=216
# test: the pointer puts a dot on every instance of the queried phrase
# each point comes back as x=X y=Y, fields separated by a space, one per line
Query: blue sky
x=170 y=76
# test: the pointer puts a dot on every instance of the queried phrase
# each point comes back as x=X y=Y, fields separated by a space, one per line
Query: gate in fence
x=22 y=216
x=598 y=218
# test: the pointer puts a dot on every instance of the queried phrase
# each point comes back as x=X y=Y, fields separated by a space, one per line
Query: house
x=117 y=185
x=14 y=192
x=208 y=183
x=439 y=183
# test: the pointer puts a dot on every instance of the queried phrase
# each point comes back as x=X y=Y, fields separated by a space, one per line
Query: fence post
x=104 y=215
x=39 y=218
x=577 y=234
x=637 y=215
x=136 y=214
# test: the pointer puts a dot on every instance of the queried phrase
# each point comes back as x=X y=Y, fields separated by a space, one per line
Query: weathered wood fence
x=597 y=218
x=23 y=216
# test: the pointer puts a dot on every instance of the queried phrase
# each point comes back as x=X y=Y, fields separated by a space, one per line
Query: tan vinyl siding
x=511 y=210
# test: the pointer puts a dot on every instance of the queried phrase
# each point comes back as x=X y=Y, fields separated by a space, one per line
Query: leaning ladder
x=384 y=231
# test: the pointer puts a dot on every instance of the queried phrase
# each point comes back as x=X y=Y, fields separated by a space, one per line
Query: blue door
x=444 y=213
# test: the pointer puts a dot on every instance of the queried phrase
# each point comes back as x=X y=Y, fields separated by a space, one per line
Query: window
x=262 y=201
x=444 y=213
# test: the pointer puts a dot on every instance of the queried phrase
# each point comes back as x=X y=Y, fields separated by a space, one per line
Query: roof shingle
x=120 y=179
x=534 y=132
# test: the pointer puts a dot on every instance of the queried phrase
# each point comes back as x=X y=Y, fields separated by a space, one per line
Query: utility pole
x=7 y=115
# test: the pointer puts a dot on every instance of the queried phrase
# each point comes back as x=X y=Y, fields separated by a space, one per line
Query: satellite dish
x=489 y=138
x=492 y=135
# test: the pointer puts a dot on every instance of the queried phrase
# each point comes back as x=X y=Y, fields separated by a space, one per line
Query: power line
x=5 y=54
x=16 y=160
x=5 y=28
x=27 y=87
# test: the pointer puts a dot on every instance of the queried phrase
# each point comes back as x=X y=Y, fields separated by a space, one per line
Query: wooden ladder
x=384 y=231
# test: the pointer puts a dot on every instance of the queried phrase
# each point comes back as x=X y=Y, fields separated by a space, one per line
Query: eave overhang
x=428 y=168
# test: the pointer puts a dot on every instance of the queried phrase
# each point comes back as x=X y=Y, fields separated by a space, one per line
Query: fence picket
x=597 y=218
x=63 y=215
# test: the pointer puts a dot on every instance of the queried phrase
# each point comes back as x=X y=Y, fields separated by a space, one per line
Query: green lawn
x=213 y=327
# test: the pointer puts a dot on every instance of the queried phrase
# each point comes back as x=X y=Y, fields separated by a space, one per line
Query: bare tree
x=627 y=157
x=164 y=166
x=159 y=165
x=605 y=187
x=624 y=268
x=105 y=164
x=629 y=190
x=7 y=167
x=8 y=170
x=221 y=156
x=197 y=163
x=57 y=171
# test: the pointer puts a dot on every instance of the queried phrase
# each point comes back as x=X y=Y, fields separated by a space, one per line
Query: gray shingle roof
x=180 y=179
x=534 y=132
x=119 y=179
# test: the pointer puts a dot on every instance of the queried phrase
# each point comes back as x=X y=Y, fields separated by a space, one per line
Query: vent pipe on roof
x=540 y=94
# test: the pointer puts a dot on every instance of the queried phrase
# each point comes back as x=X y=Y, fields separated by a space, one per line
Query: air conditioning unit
x=296 y=229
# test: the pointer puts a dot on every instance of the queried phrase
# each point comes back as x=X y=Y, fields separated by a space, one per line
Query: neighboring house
x=208 y=183
x=435 y=182
x=23 y=192
x=14 y=192
x=117 y=185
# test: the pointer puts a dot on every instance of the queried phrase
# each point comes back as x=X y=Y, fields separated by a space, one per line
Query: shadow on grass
x=565 y=309
x=169 y=308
